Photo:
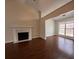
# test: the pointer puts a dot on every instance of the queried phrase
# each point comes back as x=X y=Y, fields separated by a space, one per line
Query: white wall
x=49 y=27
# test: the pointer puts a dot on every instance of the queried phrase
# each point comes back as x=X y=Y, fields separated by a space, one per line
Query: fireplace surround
x=21 y=34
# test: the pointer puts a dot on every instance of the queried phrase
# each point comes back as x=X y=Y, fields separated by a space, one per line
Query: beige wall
x=18 y=16
x=24 y=15
x=42 y=29
x=31 y=23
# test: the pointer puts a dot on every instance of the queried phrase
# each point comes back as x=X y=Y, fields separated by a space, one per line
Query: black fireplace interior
x=23 y=35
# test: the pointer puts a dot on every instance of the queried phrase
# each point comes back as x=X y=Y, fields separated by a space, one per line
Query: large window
x=66 y=28
x=61 y=28
x=69 y=29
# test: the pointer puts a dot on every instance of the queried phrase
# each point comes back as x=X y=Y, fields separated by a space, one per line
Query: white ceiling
x=45 y=6
x=28 y=9
x=48 y=6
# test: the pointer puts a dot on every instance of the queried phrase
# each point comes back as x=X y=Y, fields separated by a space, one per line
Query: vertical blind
x=66 y=28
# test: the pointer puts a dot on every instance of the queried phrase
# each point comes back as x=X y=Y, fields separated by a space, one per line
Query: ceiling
x=45 y=6
x=28 y=9
x=48 y=6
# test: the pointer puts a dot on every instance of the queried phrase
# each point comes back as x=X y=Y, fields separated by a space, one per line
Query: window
x=61 y=28
x=66 y=28
x=69 y=29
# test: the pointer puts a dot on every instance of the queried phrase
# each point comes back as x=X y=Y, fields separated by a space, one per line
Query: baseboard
x=35 y=37
x=43 y=38
x=32 y=38
x=8 y=41
x=50 y=36
x=38 y=38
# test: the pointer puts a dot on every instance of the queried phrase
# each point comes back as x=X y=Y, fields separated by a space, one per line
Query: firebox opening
x=23 y=35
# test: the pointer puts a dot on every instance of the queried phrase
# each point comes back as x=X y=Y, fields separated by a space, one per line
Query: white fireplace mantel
x=16 y=30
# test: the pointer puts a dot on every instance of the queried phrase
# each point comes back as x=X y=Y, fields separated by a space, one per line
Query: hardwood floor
x=53 y=48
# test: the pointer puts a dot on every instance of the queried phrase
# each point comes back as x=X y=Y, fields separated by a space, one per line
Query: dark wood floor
x=52 y=48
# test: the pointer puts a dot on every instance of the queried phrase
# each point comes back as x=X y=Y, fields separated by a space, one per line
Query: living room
x=37 y=29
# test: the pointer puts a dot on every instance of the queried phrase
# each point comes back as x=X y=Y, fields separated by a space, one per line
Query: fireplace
x=23 y=35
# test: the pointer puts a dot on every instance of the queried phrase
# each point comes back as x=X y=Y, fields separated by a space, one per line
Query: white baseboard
x=36 y=37
x=32 y=37
x=8 y=41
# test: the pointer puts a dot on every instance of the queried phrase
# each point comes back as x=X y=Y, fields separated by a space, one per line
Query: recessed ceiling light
x=34 y=0
x=64 y=15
